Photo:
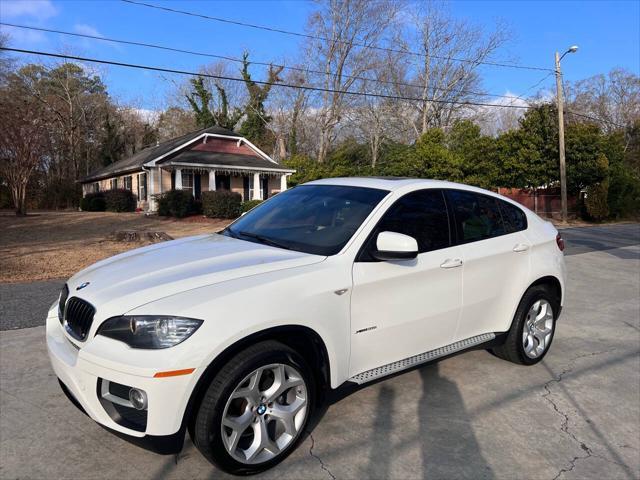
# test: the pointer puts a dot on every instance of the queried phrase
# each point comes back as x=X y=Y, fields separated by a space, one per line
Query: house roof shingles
x=135 y=162
x=222 y=159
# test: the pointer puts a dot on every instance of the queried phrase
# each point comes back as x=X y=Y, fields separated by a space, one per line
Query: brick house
x=208 y=159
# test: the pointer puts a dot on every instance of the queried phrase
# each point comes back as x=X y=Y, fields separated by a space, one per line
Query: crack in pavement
x=564 y=426
x=322 y=465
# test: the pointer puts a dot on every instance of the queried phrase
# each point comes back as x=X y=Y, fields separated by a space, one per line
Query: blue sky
x=608 y=34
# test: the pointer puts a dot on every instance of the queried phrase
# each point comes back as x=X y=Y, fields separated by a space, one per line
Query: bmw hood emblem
x=82 y=285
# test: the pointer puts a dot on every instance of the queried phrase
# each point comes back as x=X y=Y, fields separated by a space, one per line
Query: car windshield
x=317 y=219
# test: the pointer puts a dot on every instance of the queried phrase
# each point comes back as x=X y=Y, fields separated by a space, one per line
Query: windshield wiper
x=230 y=231
x=261 y=239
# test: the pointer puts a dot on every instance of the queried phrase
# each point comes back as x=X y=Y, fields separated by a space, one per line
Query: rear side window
x=476 y=216
x=514 y=219
x=421 y=215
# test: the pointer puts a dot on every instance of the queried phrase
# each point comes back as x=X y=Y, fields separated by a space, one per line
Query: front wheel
x=255 y=409
x=532 y=329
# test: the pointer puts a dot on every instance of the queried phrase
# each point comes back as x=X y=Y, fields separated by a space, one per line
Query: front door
x=246 y=188
x=197 y=186
x=403 y=308
x=223 y=182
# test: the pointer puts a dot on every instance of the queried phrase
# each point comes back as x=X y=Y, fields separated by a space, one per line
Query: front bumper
x=167 y=397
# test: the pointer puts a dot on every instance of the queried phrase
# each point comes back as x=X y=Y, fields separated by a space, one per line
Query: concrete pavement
x=575 y=415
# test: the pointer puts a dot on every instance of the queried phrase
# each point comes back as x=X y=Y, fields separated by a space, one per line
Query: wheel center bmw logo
x=82 y=285
x=261 y=409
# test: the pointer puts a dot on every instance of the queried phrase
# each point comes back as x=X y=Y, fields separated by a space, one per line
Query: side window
x=421 y=215
x=515 y=219
x=477 y=217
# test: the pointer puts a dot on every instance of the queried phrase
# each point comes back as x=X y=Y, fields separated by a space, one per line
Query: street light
x=563 y=167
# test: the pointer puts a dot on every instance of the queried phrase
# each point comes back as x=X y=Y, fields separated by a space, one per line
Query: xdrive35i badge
x=82 y=285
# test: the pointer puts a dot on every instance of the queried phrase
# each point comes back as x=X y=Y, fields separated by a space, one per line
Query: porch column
x=152 y=189
x=178 y=179
x=257 y=191
x=283 y=182
x=212 y=180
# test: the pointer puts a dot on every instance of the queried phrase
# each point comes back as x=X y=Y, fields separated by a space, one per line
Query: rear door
x=404 y=308
x=496 y=260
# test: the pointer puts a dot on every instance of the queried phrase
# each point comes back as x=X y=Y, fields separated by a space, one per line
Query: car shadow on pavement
x=448 y=443
x=444 y=440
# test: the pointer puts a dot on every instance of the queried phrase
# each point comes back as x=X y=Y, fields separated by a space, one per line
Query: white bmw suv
x=235 y=335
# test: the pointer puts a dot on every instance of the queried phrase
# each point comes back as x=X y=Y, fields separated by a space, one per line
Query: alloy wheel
x=265 y=413
x=538 y=328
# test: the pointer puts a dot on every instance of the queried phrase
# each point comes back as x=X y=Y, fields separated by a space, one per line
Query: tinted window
x=421 y=215
x=514 y=218
x=476 y=216
x=318 y=219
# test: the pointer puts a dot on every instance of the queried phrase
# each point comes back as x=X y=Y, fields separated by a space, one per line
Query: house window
x=96 y=187
x=187 y=180
x=127 y=182
x=142 y=187
x=114 y=184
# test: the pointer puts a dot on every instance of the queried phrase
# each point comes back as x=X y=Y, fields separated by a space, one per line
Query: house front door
x=197 y=186
x=246 y=187
x=223 y=182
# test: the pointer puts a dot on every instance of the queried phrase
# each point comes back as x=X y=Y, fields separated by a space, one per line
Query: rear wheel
x=532 y=329
x=255 y=409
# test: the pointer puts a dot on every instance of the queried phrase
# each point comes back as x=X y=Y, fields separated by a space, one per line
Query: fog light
x=138 y=398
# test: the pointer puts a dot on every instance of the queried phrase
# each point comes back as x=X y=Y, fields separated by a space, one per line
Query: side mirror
x=395 y=246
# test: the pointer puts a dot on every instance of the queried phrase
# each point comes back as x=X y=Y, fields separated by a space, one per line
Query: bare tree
x=287 y=108
x=614 y=99
x=435 y=43
x=23 y=139
x=345 y=31
x=175 y=122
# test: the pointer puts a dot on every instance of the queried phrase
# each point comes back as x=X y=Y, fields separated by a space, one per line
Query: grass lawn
x=48 y=245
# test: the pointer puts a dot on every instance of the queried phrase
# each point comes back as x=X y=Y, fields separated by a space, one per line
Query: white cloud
x=19 y=37
x=149 y=116
x=85 y=29
x=38 y=9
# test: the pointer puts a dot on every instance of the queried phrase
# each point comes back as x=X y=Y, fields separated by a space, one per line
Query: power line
x=238 y=60
x=519 y=97
x=595 y=119
x=235 y=79
x=325 y=39
x=286 y=85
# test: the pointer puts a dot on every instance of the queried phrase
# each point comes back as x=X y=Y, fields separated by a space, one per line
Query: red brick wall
x=545 y=202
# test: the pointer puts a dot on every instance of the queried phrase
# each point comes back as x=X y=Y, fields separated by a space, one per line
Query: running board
x=425 y=357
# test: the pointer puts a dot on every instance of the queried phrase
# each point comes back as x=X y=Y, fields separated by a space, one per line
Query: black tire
x=207 y=434
x=513 y=349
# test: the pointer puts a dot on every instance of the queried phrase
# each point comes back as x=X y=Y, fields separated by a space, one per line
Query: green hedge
x=249 y=204
x=176 y=203
x=596 y=201
x=120 y=200
x=93 y=202
x=221 y=204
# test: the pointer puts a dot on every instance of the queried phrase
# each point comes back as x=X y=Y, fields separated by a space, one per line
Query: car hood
x=120 y=283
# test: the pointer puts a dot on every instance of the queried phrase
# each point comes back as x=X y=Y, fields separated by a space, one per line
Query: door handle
x=521 y=247
x=451 y=263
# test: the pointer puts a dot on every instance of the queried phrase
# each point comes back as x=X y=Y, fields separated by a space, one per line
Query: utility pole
x=563 y=166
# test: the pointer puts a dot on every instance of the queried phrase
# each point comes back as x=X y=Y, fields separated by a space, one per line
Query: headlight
x=149 y=331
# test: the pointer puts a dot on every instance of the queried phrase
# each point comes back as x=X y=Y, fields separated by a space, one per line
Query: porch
x=250 y=184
